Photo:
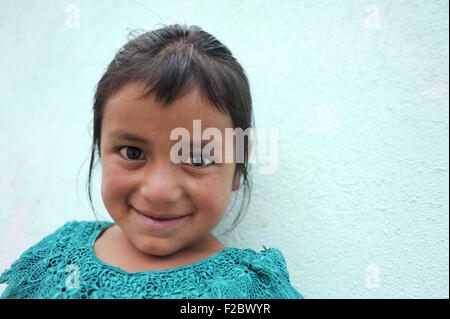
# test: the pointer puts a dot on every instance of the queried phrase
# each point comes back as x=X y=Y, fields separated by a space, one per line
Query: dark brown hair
x=171 y=61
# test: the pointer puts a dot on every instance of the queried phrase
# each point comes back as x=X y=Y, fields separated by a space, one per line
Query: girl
x=160 y=245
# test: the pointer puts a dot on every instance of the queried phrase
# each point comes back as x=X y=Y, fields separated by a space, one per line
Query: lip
x=157 y=215
x=159 y=224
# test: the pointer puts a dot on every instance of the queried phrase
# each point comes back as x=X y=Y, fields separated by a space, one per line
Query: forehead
x=125 y=110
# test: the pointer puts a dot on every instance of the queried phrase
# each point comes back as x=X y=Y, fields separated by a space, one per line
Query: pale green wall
x=357 y=89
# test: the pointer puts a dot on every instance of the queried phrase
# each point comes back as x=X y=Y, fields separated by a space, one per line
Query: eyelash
x=118 y=149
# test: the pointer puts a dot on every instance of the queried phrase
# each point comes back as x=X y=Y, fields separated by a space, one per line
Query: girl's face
x=140 y=175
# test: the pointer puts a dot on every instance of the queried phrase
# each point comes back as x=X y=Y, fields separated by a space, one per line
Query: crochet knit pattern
x=63 y=265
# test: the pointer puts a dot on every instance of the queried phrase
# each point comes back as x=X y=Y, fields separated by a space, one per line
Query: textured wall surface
x=359 y=94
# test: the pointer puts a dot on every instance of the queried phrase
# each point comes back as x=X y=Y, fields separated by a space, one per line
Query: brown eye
x=131 y=153
x=200 y=161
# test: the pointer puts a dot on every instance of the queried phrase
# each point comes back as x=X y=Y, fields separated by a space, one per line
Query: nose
x=160 y=184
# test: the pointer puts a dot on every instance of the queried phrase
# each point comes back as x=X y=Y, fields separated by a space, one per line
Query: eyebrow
x=135 y=138
x=130 y=137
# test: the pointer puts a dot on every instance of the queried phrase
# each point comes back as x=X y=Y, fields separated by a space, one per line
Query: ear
x=250 y=148
x=237 y=176
x=236 y=181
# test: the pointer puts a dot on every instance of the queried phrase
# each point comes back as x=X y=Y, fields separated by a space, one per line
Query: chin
x=157 y=249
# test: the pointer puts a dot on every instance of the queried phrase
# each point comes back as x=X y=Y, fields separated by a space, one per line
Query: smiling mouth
x=164 y=219
x=160 y=220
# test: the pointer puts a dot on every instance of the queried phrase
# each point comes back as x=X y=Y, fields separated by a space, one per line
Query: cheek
x=114 y=185
x=213 y=195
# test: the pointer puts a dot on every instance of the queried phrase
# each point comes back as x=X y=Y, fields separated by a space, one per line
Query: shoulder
x=30 y=269
x=263 y=274
x=69 y=232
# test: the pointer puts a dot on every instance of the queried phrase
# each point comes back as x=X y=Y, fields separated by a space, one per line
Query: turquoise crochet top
x=63 y=265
